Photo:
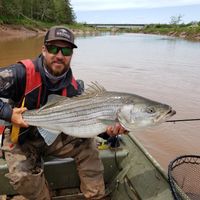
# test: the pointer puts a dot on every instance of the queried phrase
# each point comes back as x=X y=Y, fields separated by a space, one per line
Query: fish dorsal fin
x=94 y=89
x=53 y=99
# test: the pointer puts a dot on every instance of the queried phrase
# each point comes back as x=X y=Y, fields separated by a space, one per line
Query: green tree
x=59 y=11
x=64 y=12
x=176 y=19
x=11 y=8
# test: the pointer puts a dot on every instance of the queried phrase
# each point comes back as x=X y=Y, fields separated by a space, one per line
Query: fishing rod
x=183 y=120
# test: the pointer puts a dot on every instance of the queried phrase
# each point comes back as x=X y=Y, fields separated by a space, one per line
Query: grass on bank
x=165 y=28
x=190 y=30
x=32 y=24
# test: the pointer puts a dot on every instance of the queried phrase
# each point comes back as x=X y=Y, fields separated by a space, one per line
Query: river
x=161 y=68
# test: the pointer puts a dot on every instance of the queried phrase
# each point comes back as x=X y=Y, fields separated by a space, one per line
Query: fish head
x=140 y=115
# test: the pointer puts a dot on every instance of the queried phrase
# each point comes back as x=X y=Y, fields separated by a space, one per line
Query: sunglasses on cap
x=66 y=51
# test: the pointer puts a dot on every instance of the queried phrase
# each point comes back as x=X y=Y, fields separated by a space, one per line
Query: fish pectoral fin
x=107 y=121
x=47 y=131
x=48 y=135
x=123 y=122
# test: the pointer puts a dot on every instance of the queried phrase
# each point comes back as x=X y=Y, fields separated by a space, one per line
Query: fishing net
x=184 y=177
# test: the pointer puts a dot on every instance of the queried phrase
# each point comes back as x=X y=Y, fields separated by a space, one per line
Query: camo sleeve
x=5 y=111
x=11 y=87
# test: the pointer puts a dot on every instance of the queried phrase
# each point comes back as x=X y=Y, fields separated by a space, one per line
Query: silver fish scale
x=76 y=117
x=84 y=104
x=82 y=114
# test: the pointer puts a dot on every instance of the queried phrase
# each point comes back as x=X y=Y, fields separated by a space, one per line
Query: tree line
x=58 y=11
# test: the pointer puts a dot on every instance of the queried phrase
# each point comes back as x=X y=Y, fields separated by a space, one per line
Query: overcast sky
x=135 y=11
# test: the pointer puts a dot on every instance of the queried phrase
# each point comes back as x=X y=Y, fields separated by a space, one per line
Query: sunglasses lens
x=54 y=50
x=66 y=51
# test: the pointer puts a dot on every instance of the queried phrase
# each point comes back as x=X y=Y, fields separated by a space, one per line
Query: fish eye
x=150 y=110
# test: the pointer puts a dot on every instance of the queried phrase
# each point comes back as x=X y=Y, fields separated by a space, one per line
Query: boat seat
x=62 y=173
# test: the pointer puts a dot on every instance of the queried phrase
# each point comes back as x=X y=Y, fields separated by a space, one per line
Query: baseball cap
x=60 y=33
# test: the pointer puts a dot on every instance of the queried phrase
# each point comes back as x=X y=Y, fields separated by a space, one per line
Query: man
x=30 y=83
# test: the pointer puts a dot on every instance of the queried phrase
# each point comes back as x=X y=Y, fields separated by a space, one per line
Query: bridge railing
x=117 y=25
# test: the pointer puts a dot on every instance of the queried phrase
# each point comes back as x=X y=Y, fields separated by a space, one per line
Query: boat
x=131 y=173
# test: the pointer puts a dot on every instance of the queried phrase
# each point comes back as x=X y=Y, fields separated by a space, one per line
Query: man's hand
x=17 y=117
x=115 y=130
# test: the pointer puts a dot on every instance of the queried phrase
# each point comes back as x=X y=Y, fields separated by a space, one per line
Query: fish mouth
x=170 y=113
x=163 y=118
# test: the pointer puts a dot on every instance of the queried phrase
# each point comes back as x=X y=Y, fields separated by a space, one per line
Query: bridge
x=118 y=25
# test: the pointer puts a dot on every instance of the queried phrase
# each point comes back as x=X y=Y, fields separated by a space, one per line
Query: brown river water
x=161 y=68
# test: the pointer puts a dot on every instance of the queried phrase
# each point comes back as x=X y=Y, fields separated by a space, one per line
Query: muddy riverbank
x=183 y=34
x=19 y=31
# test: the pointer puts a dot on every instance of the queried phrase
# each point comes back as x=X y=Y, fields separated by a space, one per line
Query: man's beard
x=55 y=76
x=56 y=72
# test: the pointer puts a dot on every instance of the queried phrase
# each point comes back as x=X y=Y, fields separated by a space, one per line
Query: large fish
x=89 y=114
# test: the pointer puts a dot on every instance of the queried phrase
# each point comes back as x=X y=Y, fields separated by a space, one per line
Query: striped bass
x=89 y=114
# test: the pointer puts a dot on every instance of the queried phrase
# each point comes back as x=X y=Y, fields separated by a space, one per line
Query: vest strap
x=74 y=83
x=64 y=92
x=33 y=78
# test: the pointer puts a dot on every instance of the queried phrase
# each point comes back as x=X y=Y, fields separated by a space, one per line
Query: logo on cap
x=63 y=33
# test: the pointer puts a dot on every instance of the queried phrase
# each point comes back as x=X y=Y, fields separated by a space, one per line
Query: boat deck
x=55 y=169
x=130 y=173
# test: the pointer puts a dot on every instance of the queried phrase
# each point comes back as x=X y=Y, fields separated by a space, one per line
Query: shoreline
x=20 y=31
x=182 y=35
